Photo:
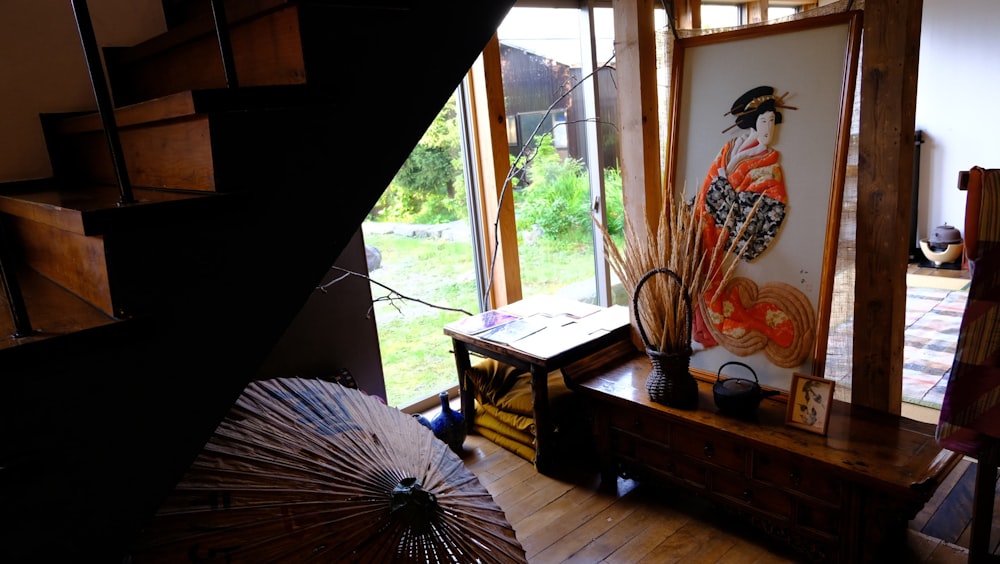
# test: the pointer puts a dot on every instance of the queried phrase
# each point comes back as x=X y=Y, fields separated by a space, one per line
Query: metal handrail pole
x=15 y=299
x=105 y=108
x=225 y=44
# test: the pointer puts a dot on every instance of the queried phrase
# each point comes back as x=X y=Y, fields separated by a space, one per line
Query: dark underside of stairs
x=149 y=318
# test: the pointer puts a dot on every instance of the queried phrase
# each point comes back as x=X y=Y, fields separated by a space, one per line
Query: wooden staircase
x=149 y=318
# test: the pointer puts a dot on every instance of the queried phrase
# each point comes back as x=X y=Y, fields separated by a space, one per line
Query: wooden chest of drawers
x=843 y=497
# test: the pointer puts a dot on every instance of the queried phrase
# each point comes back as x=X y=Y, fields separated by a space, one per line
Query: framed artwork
x=759 y=130
x=809 y=403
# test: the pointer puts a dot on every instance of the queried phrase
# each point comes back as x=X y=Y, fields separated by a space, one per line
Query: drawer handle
x=748 y=495
x=637 y=423
x=795 y=477
x=709 y=449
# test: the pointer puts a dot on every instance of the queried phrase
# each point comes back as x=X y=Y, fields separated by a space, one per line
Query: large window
x=560 y=100
x=562 y=138
x=422 y=260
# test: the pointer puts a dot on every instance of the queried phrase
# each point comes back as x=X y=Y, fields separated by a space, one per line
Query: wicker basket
x=670 y=382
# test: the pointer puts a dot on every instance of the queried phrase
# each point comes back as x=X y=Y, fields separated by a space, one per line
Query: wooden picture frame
x=810 y=401
x=813 y=61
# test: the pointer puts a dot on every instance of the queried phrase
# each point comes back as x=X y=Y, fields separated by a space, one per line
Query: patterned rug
x=933 y=317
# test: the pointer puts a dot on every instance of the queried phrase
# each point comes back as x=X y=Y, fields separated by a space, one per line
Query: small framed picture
x=809 y=403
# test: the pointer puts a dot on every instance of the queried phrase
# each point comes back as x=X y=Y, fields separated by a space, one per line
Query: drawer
x=667 y=463
x=788 y=472
x=623 y=443
x=646 y=426
x=818 y=518
x=742 y=492
x=714 y=449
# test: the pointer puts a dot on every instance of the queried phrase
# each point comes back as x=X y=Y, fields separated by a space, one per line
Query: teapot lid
x=946 y=234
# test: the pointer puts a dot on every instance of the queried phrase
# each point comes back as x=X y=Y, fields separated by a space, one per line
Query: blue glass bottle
x=449 y=425
x=423 y=421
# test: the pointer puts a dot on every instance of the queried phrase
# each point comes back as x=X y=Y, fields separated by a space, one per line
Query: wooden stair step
x=265 y=45
x=279 y=42
x=95 y=209
x=68 y=233
x=53 y=311
x=200 y=141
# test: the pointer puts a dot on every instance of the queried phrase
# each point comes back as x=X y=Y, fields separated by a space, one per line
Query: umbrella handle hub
x=412 y=503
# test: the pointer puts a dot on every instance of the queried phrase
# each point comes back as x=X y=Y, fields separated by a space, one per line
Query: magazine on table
x=475 y=324
x=515 y=330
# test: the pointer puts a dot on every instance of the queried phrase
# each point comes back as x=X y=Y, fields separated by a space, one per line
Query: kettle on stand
x=943 y=247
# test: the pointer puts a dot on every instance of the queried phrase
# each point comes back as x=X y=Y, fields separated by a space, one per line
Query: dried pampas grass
x=677 y=246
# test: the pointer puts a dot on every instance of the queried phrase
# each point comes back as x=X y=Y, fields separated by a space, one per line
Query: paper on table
x=609 y=318
x=559 y=338
x=552 y=306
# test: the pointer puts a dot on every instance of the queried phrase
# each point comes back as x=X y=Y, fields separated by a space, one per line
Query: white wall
x=958 y=89
x=42 y=69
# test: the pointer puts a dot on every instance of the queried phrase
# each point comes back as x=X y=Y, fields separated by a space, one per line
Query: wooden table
x=562 y=346
x=845 y=497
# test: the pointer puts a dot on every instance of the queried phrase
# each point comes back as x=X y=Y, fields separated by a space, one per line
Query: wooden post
x=635 y=49
x=888 y=104
x=497 y=213
x=687 y=14
x=757 y=11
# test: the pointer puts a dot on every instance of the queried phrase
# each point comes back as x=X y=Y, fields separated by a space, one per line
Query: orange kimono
x=744 y=172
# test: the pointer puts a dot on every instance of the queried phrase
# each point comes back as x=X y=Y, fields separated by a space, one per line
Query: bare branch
x=391 y=298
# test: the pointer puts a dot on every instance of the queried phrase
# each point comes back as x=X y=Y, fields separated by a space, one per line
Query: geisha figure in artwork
x=744 y=202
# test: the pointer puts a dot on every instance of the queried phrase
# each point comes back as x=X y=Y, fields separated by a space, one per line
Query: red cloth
x=970 y=412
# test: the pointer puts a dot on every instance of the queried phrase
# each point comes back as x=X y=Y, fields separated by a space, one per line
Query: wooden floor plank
x=538 y=492
x=659 y=521
x=964 y=539
x=562 y=517
x=681 y=545
x=566 y=531
x=918 y=522
x=995 y=528
x=571 y=520
x=514 y=478
x=608 y=531
x=952 y=516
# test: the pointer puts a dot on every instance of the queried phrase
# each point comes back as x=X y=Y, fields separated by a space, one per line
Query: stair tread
x=191 y=102
x=191 y=30
x=171 y=106
x=236 y=13
x=53 y=312
x=92 y=209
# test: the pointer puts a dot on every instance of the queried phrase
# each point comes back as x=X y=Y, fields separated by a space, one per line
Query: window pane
x=718 y=15
x=419 y=227
x=774 y=13
x=548 y=92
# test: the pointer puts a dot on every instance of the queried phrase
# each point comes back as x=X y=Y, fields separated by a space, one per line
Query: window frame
x=494 y=231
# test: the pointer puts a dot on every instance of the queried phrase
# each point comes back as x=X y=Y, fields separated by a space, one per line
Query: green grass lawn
x=416 y=355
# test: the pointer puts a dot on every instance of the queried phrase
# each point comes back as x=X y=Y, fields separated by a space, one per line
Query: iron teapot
x=739 y=396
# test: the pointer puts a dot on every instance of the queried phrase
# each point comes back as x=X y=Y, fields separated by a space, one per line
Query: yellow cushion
x=517 y=427
x=492 y=379
x=509 y=389
x=524 y=451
